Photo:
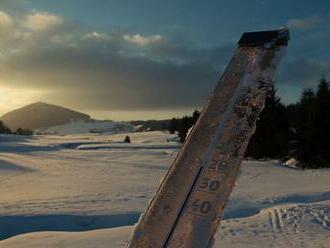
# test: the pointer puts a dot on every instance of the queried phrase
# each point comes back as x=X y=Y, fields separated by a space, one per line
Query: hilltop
x=41 y=115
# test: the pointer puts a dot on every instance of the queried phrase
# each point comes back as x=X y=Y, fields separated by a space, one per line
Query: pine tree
x=271 y=138
x=4 y=129
x=323 y=121
x=313 y=127
x=173 y=125
x=183 y=125
x=306 y=131
x=195 y=116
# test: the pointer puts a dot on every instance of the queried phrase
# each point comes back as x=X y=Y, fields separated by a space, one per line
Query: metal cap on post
x=275 y=37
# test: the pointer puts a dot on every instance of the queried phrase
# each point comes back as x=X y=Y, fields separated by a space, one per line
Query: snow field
x=87 y=190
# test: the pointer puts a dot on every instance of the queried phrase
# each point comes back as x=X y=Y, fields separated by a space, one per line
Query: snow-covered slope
x=90 y=126
x=87 y=190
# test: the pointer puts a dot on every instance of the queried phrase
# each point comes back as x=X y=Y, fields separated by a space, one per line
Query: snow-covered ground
x=88 y=190
x=91 y=126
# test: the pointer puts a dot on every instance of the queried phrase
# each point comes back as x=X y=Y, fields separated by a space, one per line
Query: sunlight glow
x=12 y=98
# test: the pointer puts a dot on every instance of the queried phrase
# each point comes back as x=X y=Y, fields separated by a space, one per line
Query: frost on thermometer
x=187 y=208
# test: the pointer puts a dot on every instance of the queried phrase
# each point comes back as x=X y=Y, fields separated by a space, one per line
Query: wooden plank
x=187 y=208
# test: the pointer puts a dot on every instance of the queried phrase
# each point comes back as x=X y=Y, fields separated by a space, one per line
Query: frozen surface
x=87 y=190
x=91 y=126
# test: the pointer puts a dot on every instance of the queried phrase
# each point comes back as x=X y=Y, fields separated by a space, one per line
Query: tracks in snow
x=321 y=216
x=292 y=226
x=276 y=219
x=293 y=219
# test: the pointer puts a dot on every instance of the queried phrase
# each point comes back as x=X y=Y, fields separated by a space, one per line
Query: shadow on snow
x=14 y=225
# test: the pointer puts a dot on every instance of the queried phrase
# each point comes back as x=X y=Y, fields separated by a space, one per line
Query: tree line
x=310 y=118
x=300 y=130
x=182 y=125
x=19 y=131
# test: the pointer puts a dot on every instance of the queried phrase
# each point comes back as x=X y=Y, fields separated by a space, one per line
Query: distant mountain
x=41 y=115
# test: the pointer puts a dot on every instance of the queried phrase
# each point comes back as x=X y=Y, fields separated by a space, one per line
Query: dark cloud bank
x=119 y=71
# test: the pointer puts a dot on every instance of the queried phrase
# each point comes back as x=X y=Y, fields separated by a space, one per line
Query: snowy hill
x=41 y=115
x=45 y=118
x=88 y=190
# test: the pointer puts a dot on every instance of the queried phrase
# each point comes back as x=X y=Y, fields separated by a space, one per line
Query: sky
x=147 y=59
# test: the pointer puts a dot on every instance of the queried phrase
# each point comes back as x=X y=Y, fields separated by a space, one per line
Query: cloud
x=114 y=74
x=5 y=20
x=303 y=72
x=8 y=32
x=100 y=77
x=13 y=7
x=74 y=65
x=142 y=40
x=96 y=36
x=304 y=24
x=41 y=21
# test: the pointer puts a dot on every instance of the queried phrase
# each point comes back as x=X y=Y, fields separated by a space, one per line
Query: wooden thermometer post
x=188 y=206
